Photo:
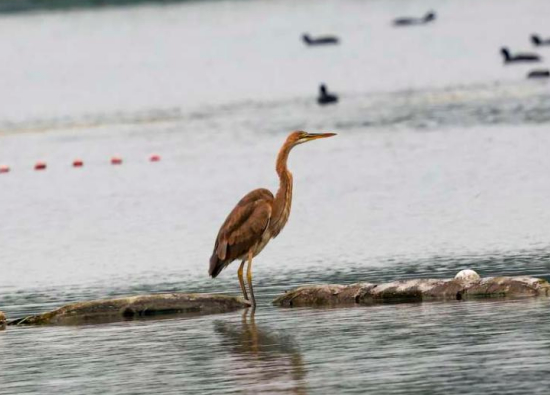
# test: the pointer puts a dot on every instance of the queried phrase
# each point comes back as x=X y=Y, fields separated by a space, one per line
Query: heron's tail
x=216 y=265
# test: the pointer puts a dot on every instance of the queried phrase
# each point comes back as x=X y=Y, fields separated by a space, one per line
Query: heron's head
x=300 y=137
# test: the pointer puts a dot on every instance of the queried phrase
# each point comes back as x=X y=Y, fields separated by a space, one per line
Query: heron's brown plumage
x=242 y=229
x=258 y=217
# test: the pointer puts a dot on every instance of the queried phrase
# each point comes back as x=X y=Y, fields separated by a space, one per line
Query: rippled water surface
x=440 y=163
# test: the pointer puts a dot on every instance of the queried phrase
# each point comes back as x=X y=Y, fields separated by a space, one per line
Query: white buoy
x=467 y=275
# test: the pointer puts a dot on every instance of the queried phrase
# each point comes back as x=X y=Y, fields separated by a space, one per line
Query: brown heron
x=257 y=218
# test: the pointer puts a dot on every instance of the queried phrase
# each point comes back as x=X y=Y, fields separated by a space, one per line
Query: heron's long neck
x=283 y=198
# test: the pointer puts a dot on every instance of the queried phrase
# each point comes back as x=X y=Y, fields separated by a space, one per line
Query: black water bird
x=321 y=40
x=325 y=97
x=519 y=57
x=537 y=41
x=540 y=73
x=411 y=21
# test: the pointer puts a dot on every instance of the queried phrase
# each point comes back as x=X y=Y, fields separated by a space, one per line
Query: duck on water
x=321 y=40
x=325 y=97
x=541 y=73
x=411 y=21
x=519 y=57
x=537 y=41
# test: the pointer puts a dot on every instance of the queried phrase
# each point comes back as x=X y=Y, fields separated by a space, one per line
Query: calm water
x=440 y=163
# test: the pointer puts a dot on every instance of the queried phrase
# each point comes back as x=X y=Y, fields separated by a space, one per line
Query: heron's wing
x=242 y=229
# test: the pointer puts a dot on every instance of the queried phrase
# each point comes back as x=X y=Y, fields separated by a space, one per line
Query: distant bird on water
x=539 y=74
x=257 y=218
x=325 y=97
x=411 y=21
x=321 y=40
x=519 y=57
x=537 y=41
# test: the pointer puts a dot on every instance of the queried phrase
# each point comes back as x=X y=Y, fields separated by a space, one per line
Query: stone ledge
x=417 y=290
x=110 y=310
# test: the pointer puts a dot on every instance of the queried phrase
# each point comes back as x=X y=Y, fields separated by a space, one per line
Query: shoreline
x=29 y=6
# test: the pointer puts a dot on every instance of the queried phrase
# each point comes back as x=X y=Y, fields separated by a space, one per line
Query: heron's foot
x=252 y=300
x=249 y=303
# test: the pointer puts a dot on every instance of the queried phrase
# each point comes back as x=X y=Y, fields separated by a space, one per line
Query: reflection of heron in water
x=263 y=357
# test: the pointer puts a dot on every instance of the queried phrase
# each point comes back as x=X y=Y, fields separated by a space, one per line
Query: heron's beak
x=315 y=136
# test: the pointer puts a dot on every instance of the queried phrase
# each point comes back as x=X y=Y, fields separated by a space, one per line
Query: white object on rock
x=467 y=275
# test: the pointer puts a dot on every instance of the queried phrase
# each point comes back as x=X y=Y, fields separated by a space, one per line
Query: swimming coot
x=325 y=97
x=410 y=21
x=537 y=41
x=321 y=40
x=519 y=57
x=540 y=73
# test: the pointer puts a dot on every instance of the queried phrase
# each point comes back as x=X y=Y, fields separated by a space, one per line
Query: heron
x=257 y=218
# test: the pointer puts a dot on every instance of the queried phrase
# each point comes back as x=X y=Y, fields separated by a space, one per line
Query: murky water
x=441 y=163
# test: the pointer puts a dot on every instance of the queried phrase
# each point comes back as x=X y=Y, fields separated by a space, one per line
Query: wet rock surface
x=110 y=310
x=414 y=291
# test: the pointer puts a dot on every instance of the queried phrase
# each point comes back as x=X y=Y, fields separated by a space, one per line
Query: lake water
x=440 y=164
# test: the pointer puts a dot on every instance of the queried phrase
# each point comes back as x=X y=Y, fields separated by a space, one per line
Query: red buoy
x=40 y=166
x=4 y=169
x=78 y=163
x=155 y=158
x=115 y=160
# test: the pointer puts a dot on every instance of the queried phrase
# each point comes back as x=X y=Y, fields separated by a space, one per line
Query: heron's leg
x=249 y=278
x=241 y=280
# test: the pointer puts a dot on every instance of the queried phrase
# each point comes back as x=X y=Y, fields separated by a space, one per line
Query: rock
x=467 y=275
x=414 y=291
x=109 y=310
x=2 y=320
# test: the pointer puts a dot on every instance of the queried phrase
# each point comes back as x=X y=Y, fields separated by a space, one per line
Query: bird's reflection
x=262 y=359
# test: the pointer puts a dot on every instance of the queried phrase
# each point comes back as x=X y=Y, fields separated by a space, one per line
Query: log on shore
x=111 y=310
x=414 y=291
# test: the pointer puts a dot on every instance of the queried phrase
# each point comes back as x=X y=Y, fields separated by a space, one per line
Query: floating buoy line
x=42 y=165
